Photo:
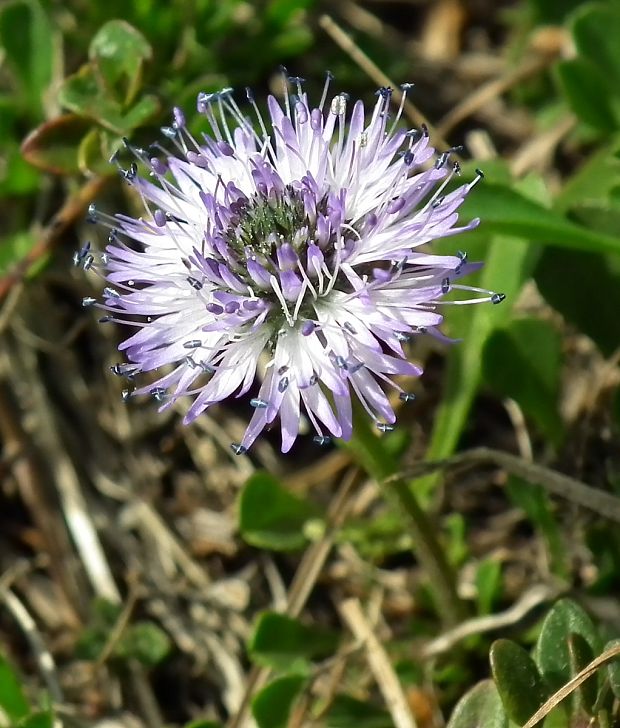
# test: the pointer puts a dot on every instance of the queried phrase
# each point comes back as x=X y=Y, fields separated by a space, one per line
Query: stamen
x=329 y=77
x=278 y=291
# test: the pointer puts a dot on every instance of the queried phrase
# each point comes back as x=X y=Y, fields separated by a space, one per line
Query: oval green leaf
x=517 y=679
x=271 y=707
x=551 y=653
x=481 y=706
x=272 y=518
x=280 y=642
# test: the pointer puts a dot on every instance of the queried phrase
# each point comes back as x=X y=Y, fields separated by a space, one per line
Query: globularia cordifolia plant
x=289 y=250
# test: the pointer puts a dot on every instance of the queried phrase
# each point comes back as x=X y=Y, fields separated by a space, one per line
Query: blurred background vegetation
x=150 y=578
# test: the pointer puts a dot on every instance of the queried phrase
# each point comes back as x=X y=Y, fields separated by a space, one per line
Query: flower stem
x=374 y=458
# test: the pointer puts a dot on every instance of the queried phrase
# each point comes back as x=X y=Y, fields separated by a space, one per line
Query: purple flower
x=292 y=254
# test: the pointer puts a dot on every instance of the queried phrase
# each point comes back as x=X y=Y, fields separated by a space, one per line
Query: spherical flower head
x=285 y=256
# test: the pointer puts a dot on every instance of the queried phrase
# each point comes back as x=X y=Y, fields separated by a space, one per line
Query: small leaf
x=596 y=29
x=27 y=37
x=517 y=679
x=613 y=669
x=118 y=50
x=272 y=518
x=12 y=699
x=145 y=642
x=588 y=283
x=552 y=649
x=144 y=110
x=82 y=94
x=14 y=248
x=488 y=584
x=522 y=361
x=272 y=706
x=279 y=641
x=481 y=707
x=581 y=655
x=91 y=156
x=43 y=719
x=589 y=94
x=52 y=146
x=346 y=712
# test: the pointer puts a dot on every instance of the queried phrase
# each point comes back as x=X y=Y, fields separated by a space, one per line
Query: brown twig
x=598 y=501
x=491 y=90
x=369 y=67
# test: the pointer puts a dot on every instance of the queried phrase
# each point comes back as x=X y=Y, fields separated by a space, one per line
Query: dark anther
x=194 y=283
x=498 y=298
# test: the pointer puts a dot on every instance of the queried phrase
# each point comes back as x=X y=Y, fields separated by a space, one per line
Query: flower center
x=265 y=222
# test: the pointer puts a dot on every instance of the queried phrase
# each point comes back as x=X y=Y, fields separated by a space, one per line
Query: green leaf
x=507 y=212
x=82 y=94
x=52 y=146
x=552 y=654
x=145 y=642
x=272 y=706
x=346 y=712
x=589 y=94
x=613 y=669
x=282 y=642
x=15 y=247
x=594 y=181
x=522 y=361
x=43 y=719
x=200 y=723
x=581 y=654
x=271 y=517
x=118 y=50
x=27 y=37
x=17 y=177
x=141 y=112
x=517 y=679
x=551 y=12
x=479 y=707
x=585 y=290
x=12 y=699
x=508 y=262
x=596 y=29
x=488 y=584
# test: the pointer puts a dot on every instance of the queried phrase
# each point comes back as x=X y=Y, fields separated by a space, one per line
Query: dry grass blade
x=533 y=598
x=489 y=91
x=378 y=76
x=593 y=499
x=379 y=663
x=43 y=657
x=572 y=685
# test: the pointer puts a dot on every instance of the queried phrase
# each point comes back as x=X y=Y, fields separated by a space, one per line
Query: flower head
x=292 y=255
